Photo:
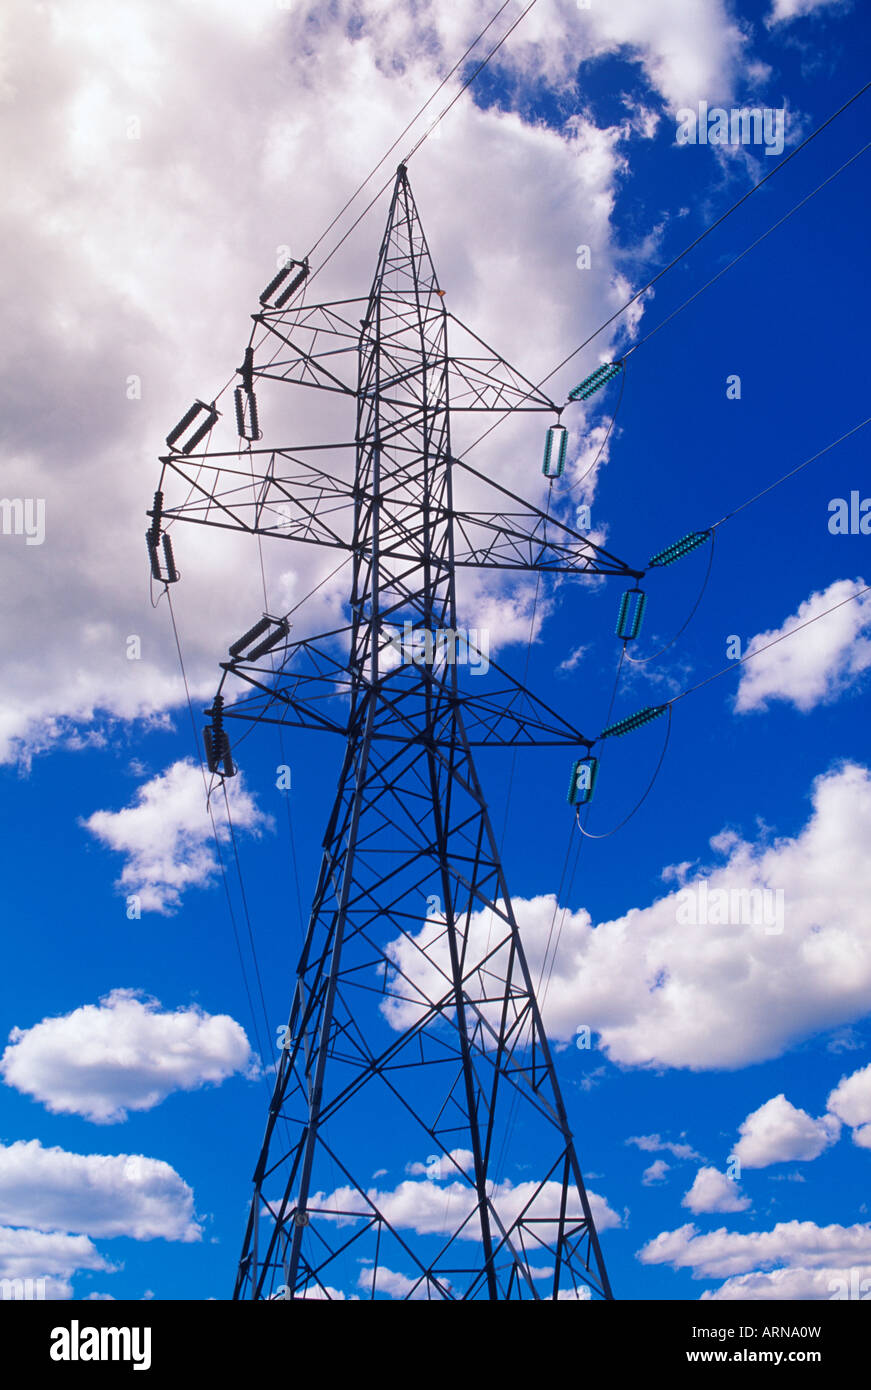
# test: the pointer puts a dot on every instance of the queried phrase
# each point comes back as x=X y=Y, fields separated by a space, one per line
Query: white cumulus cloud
x=796 y=1283
x=439 y=1166
x=850 y=1101
x=778 y=1132
x=654 y=1143
x=714 y=1191
x=723 y=993
x=721 y=1253
x=123 y=1054
x=123 y=226
x=816 y=665
x=687 y=52
x=400 y=1286
x=432 y=1208
x=94 y=1194
x=46 y=1260
x=166 y=834
x=655 y=1173
x=783 y=11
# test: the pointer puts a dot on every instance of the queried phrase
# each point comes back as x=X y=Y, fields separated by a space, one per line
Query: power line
x=636 y=661
x=651 y=283
x=470 y=80
x=244 y=897
x=643 y=660
x=691 y=247
x=739 y=661
x=659 y=275
x=736 y=662
x=701 y=684
x=387 y=184
x=614 y=690
x=407 y=128
x=781 y=164
x=638 y=805
x=425 y=819
x=640 y=661
x=514 y=750
x=216 y=837
x=792 y=472
x=746 y=251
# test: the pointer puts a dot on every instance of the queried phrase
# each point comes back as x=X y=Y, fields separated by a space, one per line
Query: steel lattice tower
x=413 y=982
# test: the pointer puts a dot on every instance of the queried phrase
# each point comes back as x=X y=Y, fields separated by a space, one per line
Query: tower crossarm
x=526 y=538
x=481 y=379
x=313 y=689
x=317 y=345
x=284 y=493
x=264 y=492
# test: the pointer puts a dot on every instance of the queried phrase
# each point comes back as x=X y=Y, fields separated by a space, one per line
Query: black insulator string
x=687 y=302
x=662 y=272
x=253 y=724
x=208 y=788
x=677 y=259
x=781 y=163
x=164 y=593
x=193 y=487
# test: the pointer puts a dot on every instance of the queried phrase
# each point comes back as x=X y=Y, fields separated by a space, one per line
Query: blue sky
x=160 y=247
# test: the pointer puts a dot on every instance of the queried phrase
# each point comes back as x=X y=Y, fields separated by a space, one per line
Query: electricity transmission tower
x=414 y=1025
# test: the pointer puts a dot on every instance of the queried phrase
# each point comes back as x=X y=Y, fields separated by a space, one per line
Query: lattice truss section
x=414 y=1004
